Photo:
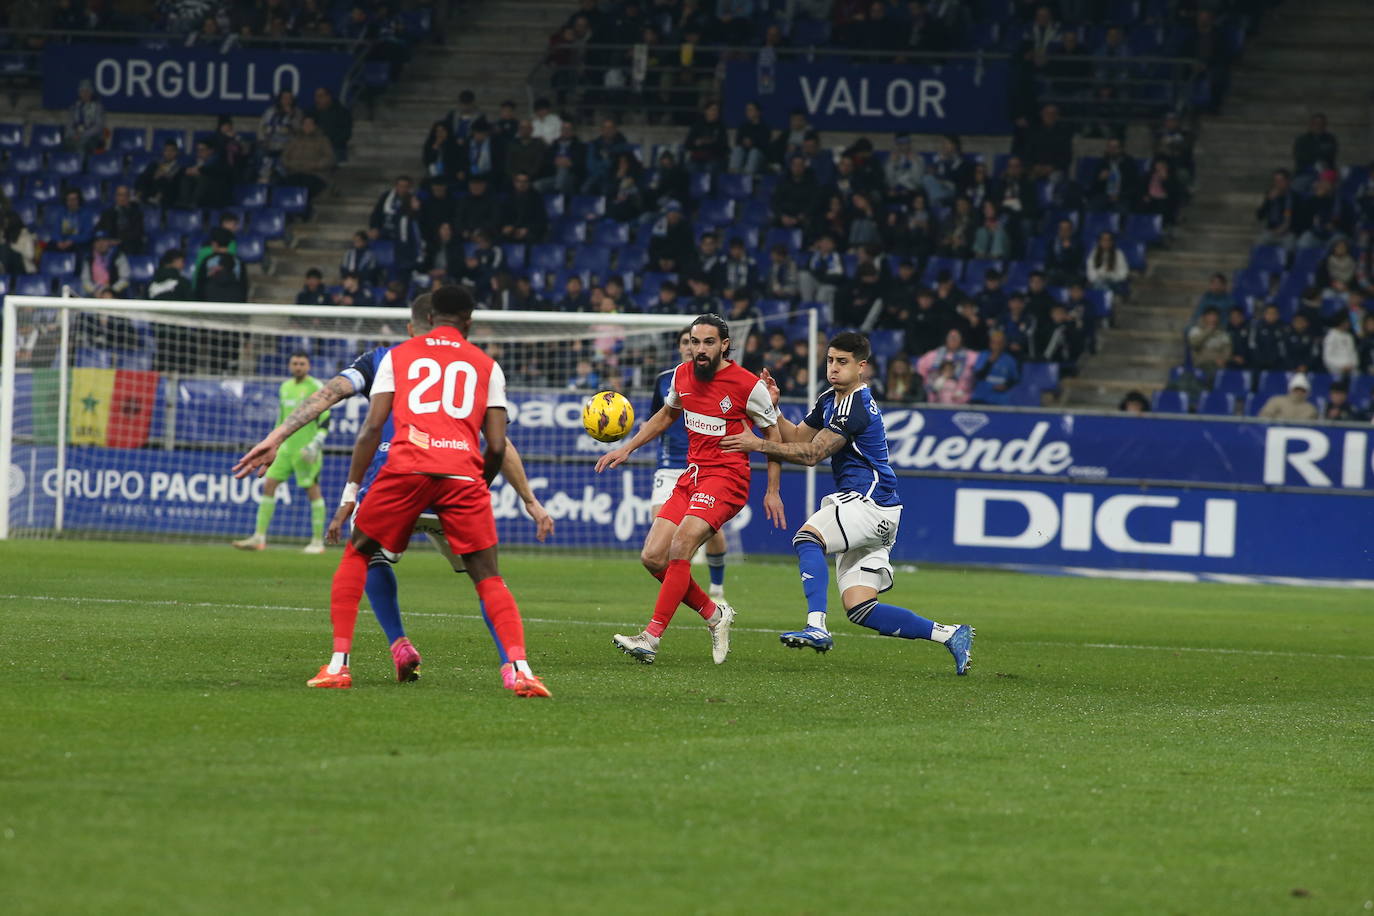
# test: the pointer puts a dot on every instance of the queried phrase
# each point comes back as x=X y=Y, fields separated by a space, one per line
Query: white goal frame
x=66 y=306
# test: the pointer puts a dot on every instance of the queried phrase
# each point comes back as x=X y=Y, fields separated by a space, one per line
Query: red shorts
x=396 y=500
x=713 y=498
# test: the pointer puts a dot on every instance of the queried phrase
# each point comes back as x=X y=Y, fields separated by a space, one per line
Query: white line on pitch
x=623 y=623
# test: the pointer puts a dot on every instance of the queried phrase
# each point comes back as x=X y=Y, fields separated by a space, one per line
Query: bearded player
x=381 y=587
x=858 y=522
x=715 y=397
x=672 y=461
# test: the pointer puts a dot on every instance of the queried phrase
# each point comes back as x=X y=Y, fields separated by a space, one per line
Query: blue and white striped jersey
x=862 y=466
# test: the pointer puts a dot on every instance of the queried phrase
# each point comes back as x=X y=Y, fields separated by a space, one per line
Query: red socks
x=344 y=596
x=505 y=616
x=678 y=588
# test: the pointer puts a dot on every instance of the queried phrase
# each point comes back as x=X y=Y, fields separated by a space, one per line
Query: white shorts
x=665 y=479
x=862 y=533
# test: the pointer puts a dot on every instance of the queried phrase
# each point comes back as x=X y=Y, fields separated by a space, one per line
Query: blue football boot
x=810 y=638
x=960 y=645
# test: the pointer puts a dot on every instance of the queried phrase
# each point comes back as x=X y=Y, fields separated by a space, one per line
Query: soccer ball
x=608 y=416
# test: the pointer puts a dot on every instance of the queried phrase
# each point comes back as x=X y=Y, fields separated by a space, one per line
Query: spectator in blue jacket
x=70 y=227
x=1267 y=342
x=601 y=158
x=996 y=371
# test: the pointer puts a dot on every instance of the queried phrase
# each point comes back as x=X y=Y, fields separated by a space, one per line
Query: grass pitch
x=1119 y=747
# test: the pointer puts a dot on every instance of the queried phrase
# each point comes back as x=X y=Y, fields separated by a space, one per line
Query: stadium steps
x=1302 y=62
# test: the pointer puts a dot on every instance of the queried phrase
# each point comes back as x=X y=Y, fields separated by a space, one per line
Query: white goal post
x=122 y=418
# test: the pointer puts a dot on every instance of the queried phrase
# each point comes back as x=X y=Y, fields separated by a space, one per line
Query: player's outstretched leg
x=643 y=646
x=344 y=595
x=815 y=579
x=891 y=620
x=382 y=595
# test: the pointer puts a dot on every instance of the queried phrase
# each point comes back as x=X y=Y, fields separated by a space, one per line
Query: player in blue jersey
x=381 y=578
x=672 y=464
x=858 y=522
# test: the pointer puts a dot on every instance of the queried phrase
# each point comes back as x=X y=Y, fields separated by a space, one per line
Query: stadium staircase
x=1310 y=56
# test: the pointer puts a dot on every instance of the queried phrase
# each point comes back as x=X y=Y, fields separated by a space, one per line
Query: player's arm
x=651 y=430
x=824 y=444
x=494 y=431
x=264 y=453
x=772 y=497
x=791 y=432
x=513 y=469
x=364 y=448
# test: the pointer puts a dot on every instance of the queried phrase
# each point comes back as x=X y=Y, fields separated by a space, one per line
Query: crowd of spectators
x=1297 y=319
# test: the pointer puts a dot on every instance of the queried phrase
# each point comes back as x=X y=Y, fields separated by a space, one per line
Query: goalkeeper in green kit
x=301 y=454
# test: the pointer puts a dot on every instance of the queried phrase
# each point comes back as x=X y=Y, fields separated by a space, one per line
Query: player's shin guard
x=267 y=507
x=716 y=563
x=344 y=596
x=815 y=575
x=891 y=620
x=486 y=618
x=499 y=604
x=382 y=595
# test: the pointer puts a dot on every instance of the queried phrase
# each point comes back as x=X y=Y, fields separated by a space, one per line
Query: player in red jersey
x=445 y=395
x=716 y=398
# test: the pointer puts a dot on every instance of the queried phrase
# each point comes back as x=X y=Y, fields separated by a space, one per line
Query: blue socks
x=890 y=620
x=500 y=649
x=815 y=575
x=381 y=594
x=716 y=562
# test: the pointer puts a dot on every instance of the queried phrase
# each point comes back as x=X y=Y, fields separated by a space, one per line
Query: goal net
x=122 y=419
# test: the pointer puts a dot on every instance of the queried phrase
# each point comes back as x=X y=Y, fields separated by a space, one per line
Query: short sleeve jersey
x=721 y=407
x=862 y=466
x=443 y=386
x=672 y=445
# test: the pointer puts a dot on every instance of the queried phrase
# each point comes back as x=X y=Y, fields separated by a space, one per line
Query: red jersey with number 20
x=443 y=386
x=719 y=408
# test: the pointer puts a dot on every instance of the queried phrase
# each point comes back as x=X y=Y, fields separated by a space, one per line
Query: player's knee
x=654 y=561
x=859 y=612
x=381 y=558
x=807 y=536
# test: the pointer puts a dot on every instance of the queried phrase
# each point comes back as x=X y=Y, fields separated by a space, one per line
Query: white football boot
x=719 y=625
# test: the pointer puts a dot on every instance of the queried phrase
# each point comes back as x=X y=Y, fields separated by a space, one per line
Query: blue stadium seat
x=937 y=264
x=1217 y=404
x=11 y=136
x=651 y=281
x=32 y=285
x=1135 y=254
x=163 y=134
x=64 y=163
x=887 y=344
x=142 y=267
x=57 y=263
x=1272 y=383
x=269 y=222
x=1018 y=275
x=1178 y=372
x=1306 y=261
x=27 y=210
x=1269 y=258
x=1170 y=402
x=611 y=233
x=735 y=187
x=105 y=165
x=554 y=206
x=764 y=186
x=291 y=200
x=754 y=213
x=152 y=218
x=1321 y=385
x=46 y=136
x=1249 y=282
x=250 y=196
x=128 y=139
x=26 y=161
x=1085 y=170
x=1103 y=302
x=163 y=241
x=774 y=313
x=206 y=136
x=88 y=186
x=716 y=211
x=1043 y=376
x=1254 y=403
x=632 y=259
x=699 y=184
x=1362 y=391
x=91 y=358
x=1094 y=224
x=792 y=238
x=251 y=248
x=587 y=206
x=184 y=221
x=595 y=259
x=548 y=257
x=515 y=255
x=976 y=269
x=1144 y=227
x=10 y=186
x=44 y=189
x=1232 y=381
x=569 y=231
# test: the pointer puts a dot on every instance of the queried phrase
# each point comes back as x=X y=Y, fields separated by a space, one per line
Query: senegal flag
x=112 y=407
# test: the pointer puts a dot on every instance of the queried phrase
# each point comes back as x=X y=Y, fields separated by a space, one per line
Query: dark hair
x=314 y=272
x=1134 y=397
x=851 y=342
x=300 y=354
x=467 y=95
x=170 y=255
x=541 y=103
x=452 y=301
x=685 y=332
x=1211 y=310
x=711 y=319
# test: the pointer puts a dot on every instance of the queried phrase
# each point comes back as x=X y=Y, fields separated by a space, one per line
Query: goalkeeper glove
x=311 y=453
